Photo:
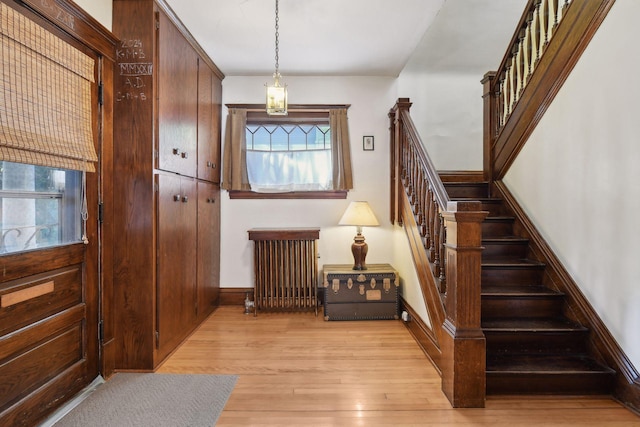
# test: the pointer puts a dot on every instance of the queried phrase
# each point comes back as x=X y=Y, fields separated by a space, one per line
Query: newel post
x=490 y=120
x=396 y=135
x=463 y=368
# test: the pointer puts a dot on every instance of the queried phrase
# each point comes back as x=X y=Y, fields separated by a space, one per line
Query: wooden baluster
x=535 y=35
x=560 y=11
x=437 y=242
x=527 y=56
x=424 y=229
x=552 y=21
x=542 y=14
x=504 y=84
x=428 y=205
x=432 y=213
x=512 y=86
x=519 y=63
x=443 y=240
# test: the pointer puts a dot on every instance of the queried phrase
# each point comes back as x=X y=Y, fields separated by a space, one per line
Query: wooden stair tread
x=510 y=262
x=518 y=290
x=505 y=239
x=533 y=324
x=545 y=364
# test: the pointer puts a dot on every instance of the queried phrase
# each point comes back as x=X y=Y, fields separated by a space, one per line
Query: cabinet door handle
x=213 y=165
x=176 y=198
x=185 y=155
x=176 y=151
x=185 y=199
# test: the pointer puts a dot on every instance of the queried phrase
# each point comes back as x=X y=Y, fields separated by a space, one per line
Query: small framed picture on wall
x=367 y=143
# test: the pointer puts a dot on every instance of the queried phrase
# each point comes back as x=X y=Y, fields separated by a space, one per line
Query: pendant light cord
x=277 y=39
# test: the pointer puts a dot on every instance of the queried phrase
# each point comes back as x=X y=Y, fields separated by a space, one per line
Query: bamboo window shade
x=45 y=97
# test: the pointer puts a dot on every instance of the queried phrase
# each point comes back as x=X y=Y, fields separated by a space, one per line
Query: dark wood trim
x=284 y=234
x=571 y=39
x=429 y=288
x=162 y=4
x=297 y=107
x=241 y=194
x=627 y=382
x=235 y=296
x=76 y=22
x=423 y=334
x=461 y=176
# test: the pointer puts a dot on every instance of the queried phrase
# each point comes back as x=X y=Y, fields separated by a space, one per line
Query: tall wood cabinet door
x=208 y=262
x=175 y=282
x=177 y=100
x=207 y=163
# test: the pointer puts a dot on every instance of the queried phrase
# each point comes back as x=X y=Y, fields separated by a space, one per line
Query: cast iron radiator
x=285 y=266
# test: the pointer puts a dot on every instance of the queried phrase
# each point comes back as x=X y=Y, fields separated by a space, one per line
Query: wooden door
x=177 y=100
x=206 y=164
x=208 y=261
x=176 y=271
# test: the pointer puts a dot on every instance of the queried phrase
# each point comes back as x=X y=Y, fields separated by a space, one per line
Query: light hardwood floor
x=296 y=369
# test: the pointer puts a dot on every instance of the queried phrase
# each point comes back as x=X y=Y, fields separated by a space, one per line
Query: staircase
x=531 y=346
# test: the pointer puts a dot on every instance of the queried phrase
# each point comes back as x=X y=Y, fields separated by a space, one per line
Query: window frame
x=302 y=112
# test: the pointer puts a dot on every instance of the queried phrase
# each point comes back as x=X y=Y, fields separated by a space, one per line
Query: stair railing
x=548 y=41
x=445 y=238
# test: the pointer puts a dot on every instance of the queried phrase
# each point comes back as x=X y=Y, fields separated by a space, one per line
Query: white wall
x=586 y=149
x=447 y=110
x=370 y=99
x=101 y=10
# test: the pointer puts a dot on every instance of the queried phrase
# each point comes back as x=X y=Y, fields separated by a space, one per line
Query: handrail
x=548 y=41
x=446 y=245
x=439 y=191
x=537 y=27
x=425 y=191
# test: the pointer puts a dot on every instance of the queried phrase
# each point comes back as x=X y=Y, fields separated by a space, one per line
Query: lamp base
x=359 y=250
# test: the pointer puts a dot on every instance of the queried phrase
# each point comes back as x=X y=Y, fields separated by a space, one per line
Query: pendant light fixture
x=276 y=94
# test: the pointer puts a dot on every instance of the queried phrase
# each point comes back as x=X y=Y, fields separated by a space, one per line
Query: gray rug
x=142 y=400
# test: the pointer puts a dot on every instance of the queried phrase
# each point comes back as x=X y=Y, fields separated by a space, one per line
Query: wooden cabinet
x=177 y=73
x=167 y=217
x=209 y=111
x=208 y=246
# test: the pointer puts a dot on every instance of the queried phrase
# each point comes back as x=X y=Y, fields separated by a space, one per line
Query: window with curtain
x=46 y=135
x=305 y=154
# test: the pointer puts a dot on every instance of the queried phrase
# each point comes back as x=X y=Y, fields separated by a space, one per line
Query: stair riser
x=544 y=383
x=467 y=190
x=535 y=342
x=515 y=276
x=521 y=307
x=494 y=249
x=497 y=228
x=494 y=207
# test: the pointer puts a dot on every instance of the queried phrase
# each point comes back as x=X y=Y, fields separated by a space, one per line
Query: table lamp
x=359 y=214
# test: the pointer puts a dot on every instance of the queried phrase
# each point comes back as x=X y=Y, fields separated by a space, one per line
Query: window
x=301 y=155
x=39 y=206
x=289 y=157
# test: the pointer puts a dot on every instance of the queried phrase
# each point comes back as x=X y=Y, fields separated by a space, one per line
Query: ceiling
x=351 y=37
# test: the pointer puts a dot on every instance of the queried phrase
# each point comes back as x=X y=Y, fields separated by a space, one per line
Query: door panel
x=176 y=278
x=177 y=101
x=208 y=264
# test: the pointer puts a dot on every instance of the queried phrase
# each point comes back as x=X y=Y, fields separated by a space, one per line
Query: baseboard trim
x=235 y=296
x=423 y=335
x=627 y=381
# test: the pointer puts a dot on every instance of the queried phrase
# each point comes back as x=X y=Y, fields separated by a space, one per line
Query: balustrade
x=537 y=28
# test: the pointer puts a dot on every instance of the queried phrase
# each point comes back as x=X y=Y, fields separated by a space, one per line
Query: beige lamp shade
x=360 y=214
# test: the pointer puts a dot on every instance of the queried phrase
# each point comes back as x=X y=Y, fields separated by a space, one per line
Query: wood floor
x=296 y=369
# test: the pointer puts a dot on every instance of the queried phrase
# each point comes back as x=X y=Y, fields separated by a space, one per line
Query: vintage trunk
x=370 y=294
